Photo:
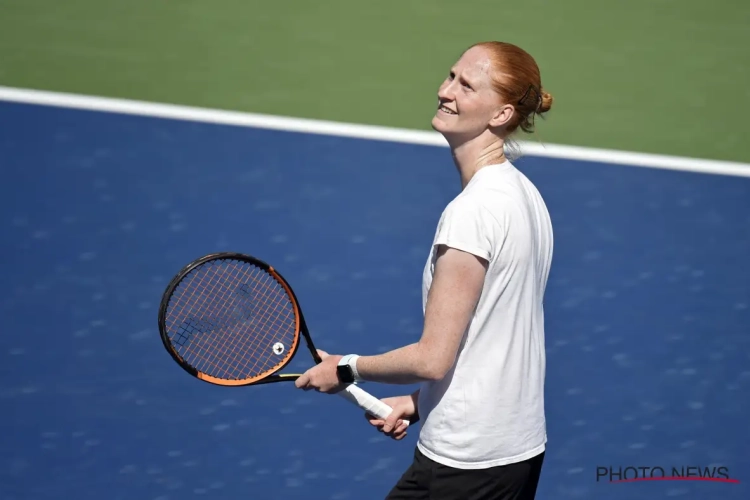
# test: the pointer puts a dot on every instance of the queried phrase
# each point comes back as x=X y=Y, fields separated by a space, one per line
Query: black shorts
x=426 y=479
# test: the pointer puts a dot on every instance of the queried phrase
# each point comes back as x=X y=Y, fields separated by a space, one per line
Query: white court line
x=370 y=132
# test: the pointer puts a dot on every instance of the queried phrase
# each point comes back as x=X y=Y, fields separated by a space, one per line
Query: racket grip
x=367 y=402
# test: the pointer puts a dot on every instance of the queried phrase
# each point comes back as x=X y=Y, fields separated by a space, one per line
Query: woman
x=481 y=357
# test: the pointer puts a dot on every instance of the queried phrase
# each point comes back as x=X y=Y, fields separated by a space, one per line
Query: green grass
x=663 y=76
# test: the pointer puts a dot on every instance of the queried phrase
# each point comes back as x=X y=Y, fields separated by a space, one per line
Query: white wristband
x=350 y=360
x=353 y=363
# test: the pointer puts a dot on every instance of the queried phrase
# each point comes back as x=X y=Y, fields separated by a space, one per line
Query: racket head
x=231 y=319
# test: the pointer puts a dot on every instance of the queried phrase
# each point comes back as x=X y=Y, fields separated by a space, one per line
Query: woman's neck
x=472 y=155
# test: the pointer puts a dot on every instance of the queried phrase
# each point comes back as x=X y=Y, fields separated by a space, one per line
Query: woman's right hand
x=404 y=408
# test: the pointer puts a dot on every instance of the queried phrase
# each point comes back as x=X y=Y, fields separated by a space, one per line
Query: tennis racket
x=232 y=320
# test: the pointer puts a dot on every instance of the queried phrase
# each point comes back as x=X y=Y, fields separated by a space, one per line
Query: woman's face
x=467 y=103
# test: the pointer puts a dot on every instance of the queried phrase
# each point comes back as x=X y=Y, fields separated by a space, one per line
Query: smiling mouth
x=446 y=110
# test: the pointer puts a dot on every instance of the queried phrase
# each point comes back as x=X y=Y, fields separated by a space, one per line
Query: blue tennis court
x=648 y=309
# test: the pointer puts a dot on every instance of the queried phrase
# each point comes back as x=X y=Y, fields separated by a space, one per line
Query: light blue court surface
x=648 y=310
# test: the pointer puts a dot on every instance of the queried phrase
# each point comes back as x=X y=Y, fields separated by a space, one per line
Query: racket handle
x=367 y=402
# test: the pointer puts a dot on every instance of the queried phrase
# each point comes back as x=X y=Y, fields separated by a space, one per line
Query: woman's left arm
x=456 y=287
x=454 y=293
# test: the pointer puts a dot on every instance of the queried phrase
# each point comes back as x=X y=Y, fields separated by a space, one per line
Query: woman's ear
x=502 y=116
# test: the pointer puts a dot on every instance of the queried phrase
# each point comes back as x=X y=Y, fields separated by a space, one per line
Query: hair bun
x=546 y=103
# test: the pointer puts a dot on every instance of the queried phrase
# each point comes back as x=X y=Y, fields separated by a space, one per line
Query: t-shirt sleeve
x=467 y=226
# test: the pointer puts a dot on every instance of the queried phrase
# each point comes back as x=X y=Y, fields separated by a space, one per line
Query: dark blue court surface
x=648 y=311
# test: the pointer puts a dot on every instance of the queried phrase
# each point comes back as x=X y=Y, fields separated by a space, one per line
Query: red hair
x=517 y=79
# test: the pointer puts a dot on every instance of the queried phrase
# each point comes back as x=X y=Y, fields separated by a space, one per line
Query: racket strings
x=227 y=319
x=197 y=295
x=234 y=357
x=197 y=350
x=270 y=311
x=239 y=357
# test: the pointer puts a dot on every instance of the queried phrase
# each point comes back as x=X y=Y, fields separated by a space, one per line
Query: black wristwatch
x=347 y=369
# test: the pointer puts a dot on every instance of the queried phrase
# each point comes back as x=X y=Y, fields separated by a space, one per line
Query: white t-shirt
x=489 y=409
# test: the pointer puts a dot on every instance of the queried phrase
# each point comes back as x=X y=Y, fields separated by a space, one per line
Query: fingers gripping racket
x=230 y=319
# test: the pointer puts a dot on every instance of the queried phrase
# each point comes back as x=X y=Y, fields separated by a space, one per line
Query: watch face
x=345 y=374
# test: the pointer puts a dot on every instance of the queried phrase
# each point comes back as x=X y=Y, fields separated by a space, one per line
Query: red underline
x=678 y=478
